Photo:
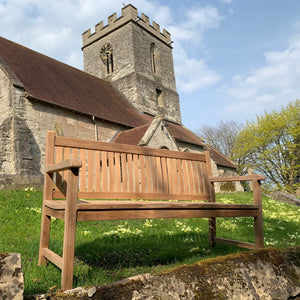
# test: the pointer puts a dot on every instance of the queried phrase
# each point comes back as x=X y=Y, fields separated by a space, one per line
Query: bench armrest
x=253 y=177
x=64 y=165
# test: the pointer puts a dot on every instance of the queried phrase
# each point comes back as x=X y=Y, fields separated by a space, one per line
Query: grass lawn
x=108 y=251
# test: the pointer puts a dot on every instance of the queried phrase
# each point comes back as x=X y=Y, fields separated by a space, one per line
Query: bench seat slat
x=106 y=215
x=123 y=204
x=124 y=210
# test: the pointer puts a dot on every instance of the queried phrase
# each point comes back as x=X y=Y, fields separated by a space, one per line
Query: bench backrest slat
x=132 y=172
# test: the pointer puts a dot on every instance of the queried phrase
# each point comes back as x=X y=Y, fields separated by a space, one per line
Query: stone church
x=126 y=94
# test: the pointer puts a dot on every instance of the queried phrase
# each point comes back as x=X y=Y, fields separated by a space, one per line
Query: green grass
x=108 y=251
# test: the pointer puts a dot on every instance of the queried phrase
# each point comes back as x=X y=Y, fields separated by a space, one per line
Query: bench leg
x=45 y=236
x=212 y=231
x=259 y=231
x=70 y=230
x=68 y=254
x=258 y=221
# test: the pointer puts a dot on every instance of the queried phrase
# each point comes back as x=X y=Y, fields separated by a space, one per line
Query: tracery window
x=106 y=55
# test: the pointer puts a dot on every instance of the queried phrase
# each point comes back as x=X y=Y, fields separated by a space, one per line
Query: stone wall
x=23 y=137
x=157 y=136
x=6 y=158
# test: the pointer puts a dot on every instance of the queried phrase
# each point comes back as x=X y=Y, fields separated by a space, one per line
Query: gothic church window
x=106 y=55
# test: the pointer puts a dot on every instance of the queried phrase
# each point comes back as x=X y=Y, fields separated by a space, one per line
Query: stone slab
x=266 y=274
x=11 y=276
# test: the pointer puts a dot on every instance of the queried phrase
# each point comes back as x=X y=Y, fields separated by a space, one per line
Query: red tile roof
x=57 y=83
x=181 y=133
x=131 y=136
x=219 y=158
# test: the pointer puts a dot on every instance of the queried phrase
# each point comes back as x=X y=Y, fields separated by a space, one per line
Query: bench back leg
x=259 y=234
x=69 y=230
x=258 y=221
x=212 y=231
x=48 y=185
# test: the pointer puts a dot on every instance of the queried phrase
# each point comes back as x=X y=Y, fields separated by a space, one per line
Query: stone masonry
x=23 y=127
x=142 y=62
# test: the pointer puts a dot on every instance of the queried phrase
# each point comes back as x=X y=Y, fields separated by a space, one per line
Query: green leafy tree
x=271 y=146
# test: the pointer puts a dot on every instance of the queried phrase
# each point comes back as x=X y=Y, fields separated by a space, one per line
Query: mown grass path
x=108 y=251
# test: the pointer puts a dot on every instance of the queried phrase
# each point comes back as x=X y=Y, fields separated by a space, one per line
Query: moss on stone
x=217 y=278
x=227 y=187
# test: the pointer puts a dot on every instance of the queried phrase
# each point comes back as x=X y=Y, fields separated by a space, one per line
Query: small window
x=159 y=98
x=106 y=55
x=152 y=57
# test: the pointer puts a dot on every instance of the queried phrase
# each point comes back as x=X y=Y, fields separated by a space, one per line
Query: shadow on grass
x=130 y=252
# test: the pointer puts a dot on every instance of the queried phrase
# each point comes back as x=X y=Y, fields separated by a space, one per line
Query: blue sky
x=233 y=59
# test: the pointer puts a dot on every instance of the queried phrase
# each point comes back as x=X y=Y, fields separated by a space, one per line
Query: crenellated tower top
x=129 y=14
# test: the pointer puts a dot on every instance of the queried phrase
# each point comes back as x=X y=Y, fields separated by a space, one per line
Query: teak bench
x=80 y=169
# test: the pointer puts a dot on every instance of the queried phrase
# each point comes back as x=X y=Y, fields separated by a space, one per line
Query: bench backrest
x=117 y=171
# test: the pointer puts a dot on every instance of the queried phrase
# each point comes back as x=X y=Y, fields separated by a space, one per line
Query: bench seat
x=124 y=210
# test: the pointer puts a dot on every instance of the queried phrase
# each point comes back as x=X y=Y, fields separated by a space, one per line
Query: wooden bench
x=88 y=170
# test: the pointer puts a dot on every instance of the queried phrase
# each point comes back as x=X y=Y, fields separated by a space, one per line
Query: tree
x=222 y=137
x=271 y=145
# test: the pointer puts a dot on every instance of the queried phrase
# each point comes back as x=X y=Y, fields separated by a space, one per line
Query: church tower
x=136 y=57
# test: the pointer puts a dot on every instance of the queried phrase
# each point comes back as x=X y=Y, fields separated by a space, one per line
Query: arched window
x=152 y=57
x=164 y=147
x=106 y=55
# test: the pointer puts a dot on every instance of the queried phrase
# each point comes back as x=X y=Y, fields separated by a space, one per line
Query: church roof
x=219 y=158
x=183 y=134
x=131 y=136
x=51 y=81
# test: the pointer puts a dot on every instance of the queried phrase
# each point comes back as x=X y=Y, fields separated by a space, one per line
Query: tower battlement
x=129 y=14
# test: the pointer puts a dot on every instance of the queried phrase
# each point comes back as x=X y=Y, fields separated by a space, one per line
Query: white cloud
x=270 y=86
x=197 y=20
x=192 y=74
x=226 y=1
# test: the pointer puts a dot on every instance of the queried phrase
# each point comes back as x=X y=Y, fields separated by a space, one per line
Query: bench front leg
x=70 y=229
